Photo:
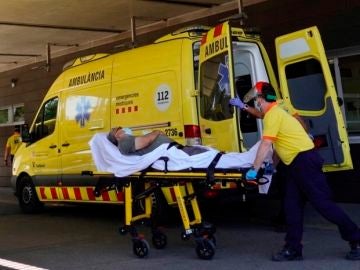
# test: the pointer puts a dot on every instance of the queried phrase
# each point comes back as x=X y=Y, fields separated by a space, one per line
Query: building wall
x=338 y=21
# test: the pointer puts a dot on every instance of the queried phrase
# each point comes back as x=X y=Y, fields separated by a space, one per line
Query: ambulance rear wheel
x=140 y=248
x=205 y=249
x=28 y=200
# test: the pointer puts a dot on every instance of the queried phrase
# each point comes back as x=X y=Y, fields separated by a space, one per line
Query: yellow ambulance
x=181 y=84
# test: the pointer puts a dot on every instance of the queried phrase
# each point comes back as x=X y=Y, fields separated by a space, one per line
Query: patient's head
x=115 y=134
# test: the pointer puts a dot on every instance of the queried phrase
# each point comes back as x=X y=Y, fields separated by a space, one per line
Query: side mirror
x=25 y=133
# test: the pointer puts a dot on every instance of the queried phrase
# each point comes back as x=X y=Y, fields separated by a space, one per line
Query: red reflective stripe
x=120 y=196
x=65 y=193
x=42 y=193
x=218 y=30
x=77 y=194
x=90 y=194
x=105 y=196
x=172 y=193
x=203 y=40
x=53 y=193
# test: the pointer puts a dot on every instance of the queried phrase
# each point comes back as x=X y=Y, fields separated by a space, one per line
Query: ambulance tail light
x=192 y=134
x=320 y=141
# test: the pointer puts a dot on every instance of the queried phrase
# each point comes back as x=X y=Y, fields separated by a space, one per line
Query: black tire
x=140 y=248
x=205 y=249
x=159 y=240
x=28 y=200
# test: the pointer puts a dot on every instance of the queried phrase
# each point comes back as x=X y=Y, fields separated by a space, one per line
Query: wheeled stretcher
x=152 y=181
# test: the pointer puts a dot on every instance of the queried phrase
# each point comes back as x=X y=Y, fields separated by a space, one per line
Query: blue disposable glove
x=251 y=174
x=237 y=102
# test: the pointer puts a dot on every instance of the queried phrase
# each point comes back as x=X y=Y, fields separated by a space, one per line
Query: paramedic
x=141 y=145
x=279 y=221
x=12 y=145
x=305 y=178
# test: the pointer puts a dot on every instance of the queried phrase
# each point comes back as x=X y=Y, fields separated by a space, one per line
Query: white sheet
x=108 y=158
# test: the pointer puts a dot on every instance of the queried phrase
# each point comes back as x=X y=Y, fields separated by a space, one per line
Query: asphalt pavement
x=86 y=237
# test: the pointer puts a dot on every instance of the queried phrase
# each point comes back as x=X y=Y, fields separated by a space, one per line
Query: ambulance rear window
x=305 y=79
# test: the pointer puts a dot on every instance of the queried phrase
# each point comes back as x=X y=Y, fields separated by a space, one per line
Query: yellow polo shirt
x=14 y=141
x=283 y=106
x=286 y=133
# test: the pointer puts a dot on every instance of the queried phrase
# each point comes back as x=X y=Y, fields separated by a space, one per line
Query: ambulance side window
x=215 y=89
x=305 y=79
x=46 y=119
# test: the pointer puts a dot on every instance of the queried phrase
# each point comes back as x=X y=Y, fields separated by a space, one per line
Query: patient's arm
x=146 y=140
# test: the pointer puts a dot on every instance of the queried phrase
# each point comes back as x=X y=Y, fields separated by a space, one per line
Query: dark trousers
x=306 y=181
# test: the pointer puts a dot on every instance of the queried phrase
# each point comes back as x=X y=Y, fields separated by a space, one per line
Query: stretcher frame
x=202 y=232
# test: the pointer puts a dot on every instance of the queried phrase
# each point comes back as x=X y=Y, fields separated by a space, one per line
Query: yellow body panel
x=151 y=87
x=305 y=46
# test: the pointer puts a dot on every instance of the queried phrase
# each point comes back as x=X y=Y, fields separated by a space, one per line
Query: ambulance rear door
x=307 y=86
x=217 y=119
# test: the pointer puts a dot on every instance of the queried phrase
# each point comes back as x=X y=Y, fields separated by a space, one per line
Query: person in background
x=12 y=145
x=305 y=179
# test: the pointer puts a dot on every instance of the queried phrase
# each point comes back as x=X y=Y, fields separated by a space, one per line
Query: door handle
x=208 y=131
x=65 y=144
x=52 y=146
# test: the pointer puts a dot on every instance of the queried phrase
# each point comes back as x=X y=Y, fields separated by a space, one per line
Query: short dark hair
x=17 y=129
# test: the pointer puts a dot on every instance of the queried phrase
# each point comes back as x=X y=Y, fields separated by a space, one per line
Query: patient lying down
x=122 y=154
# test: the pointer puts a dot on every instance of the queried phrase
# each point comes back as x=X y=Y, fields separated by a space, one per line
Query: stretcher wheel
x=159 y=240
x=205 y=249
x=212 y=238
x=185 y=236
x=123 y=230
x=141 y=248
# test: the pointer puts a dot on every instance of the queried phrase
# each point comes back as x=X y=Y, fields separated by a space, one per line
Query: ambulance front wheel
x=205 y=249
x=26 y=193
x=140 y=248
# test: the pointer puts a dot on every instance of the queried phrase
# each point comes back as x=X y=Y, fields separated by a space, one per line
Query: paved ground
x=86 y=237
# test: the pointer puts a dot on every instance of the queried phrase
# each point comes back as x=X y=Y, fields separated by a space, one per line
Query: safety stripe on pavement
x=18 y=266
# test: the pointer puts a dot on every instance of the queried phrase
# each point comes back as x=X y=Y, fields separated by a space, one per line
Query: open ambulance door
x=216 y=86
x=306 y=85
